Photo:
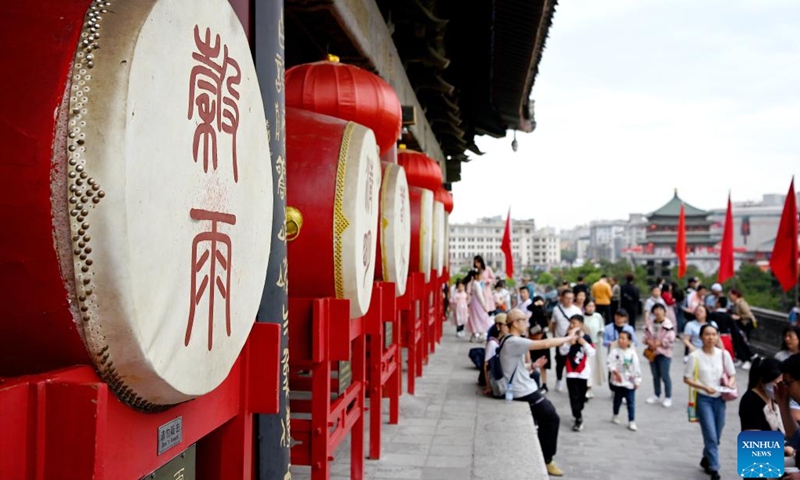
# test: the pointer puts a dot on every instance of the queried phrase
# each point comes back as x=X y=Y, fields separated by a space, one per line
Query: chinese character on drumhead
x=214 y=97
x=211 y=263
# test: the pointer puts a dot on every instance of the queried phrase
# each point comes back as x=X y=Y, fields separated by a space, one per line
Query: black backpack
x=496 y=377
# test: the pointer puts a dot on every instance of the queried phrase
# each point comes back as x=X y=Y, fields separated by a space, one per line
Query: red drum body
x=421 y=230
x=143 y=199
x=333 y=185
x=394 y=240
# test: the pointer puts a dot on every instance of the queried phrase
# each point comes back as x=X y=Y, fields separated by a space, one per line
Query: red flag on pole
x=505 y=247
x=726 y=252
x=680 y=246
x=784 y=254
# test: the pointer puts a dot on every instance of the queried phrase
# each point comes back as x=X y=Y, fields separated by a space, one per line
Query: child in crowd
x=461 y=301
x=626 y=375
x=578 y=369
x=594 y=323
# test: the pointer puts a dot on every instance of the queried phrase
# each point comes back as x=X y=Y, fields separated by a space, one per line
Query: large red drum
x=394 y=240
x=421 y=230
x=333 y=182
x=143 y=191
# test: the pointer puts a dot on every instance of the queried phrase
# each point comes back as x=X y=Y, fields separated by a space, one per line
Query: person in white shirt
x=559 y=325
x=654 y=298
x=706 y=372
x=512 y=354
x=626 y=376
x=524 y=302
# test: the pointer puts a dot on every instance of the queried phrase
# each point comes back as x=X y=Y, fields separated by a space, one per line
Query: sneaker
x=553 y=470
x=561 y=386
x=624 y=401
x=543 y=389
x=589 y=394
x=578 y=425
x=460 y=334
x=652 y=400
x=704 y=465
x=737 y=363
x=615 y=420
x=667 y=402
x=686 y=359
x=632 y=426
x=746 y=366
x=715 y=476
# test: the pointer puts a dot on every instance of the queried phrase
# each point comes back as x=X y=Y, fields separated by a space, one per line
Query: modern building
x=531 y=248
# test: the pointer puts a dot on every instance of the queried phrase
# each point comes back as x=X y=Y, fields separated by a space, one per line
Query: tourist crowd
x=593 y=332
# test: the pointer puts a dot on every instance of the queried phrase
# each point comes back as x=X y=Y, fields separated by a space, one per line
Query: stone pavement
x=666 y=446
x=449 y=431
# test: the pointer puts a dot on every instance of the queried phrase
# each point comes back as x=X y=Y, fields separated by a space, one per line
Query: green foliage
x=569 y=256
x=759 y=288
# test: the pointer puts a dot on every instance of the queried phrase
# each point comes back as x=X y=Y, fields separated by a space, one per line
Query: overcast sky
x=637 y=97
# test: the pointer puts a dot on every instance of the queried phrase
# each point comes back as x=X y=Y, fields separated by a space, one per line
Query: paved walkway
x=449 y=431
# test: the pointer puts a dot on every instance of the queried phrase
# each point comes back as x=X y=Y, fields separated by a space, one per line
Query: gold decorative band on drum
x=161 y=196
x=421 y=200
x=333 y=176
x=438 y=237
x=395 y=228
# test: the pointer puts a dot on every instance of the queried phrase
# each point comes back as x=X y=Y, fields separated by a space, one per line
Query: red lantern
x=445 y=197
x=347 y=92
x=421 y=170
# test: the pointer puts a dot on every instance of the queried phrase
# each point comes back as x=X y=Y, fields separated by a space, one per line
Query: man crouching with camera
x=524 y=388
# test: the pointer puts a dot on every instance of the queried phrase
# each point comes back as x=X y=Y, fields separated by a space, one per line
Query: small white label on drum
x=170 y=434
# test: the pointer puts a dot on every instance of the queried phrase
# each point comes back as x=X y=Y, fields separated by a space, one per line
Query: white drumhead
x=355 y=217
x=426 y=233
x=172 y=167
x=395 y=227
x=438 y=237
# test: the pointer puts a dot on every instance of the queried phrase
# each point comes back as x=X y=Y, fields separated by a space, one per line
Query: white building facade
x=530 y=247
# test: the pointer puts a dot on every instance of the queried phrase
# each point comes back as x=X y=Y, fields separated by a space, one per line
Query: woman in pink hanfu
x=487 y=278
x=478 y=322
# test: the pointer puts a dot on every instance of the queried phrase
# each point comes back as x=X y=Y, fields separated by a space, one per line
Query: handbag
x=734 y=393
x=650 y=354
x=729 y=395
x=691 y=409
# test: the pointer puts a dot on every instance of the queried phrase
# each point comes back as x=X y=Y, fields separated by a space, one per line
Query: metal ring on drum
x=394 y=240
x=333 y=179
x=421 y=200
x=161 y=193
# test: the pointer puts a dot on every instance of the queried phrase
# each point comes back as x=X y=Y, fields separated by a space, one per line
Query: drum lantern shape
x=347 y=92
x=394 y=239
x=333 y=185
x=421 y=230
x=421 y=170
x=445 y=198
x=151 y=240
x=437 y=257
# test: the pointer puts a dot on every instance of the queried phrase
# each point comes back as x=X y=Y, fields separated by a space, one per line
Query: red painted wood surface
x=411 y=309
x=383 y=363
x=66 y=424
x=37 y=331
x=320 y=332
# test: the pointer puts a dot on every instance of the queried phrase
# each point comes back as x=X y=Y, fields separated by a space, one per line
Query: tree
x=569 y=256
